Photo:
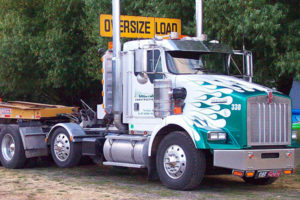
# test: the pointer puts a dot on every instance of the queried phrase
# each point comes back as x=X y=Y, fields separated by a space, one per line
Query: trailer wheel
x=12 y=154
x=64 y=152
x=260 y=181
x=179 y=164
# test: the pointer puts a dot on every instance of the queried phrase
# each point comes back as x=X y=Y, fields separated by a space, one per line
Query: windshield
x=186 y=62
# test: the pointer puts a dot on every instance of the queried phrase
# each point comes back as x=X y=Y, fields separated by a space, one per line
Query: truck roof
x=179 y=45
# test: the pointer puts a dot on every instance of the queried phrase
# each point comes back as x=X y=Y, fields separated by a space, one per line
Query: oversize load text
x=140 y=27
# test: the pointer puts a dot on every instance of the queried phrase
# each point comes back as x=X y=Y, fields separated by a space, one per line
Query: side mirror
x=140 y=61
x=249 y=65
x=142 y=77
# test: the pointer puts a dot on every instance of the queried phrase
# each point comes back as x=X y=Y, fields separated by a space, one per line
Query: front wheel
x=65 y=153
x=260 y=181
x=179 y=164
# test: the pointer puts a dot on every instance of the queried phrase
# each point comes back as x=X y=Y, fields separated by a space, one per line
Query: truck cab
x=184 y=88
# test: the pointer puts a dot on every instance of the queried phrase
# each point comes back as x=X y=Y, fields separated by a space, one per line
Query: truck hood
x=214 y=101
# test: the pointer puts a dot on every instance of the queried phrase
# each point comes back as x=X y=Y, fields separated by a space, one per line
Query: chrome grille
x=268 y=124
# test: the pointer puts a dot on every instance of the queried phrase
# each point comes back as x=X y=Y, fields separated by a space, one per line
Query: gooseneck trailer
x=166 y=110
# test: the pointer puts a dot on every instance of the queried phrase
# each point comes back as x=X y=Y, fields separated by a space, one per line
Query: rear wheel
x=260 y=181
x=180 y=165
x=64 y=152
x=12 y=153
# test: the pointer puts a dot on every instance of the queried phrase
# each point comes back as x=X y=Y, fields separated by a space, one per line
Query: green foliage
x=49 y=49
x=45 y=50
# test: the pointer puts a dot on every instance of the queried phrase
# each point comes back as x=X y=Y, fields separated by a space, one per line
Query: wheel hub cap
x=174 y=161
x=8 y=147
x=62 y=147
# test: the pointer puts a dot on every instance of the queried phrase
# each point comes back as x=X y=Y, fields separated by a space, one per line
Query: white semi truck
x=169 y=106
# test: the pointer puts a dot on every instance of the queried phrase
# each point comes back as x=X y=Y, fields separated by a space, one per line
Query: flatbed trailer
x=32 y=111
x=24 y=127
x=27 y=130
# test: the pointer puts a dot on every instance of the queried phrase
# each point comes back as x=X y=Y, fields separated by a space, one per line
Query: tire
x=190 y=163
x=260 y=181
x=64 y=152
x=12 y=153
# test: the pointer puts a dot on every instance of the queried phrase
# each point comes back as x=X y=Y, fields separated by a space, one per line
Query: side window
x=154 y=61
x=154 y=64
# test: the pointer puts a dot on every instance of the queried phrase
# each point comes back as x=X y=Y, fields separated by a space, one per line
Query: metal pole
x=116 y=28
x=199 y=19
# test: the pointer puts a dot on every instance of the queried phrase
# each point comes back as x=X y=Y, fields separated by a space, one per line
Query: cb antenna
x=243 y=25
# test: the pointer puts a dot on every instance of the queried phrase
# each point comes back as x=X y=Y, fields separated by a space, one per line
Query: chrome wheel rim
x=62 y=147
x=174 y=161
x=8 y=147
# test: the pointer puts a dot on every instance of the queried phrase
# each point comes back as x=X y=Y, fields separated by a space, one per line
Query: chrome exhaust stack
x=199 y=21
x=116 y=68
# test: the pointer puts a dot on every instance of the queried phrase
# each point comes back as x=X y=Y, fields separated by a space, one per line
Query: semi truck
x=170 y=106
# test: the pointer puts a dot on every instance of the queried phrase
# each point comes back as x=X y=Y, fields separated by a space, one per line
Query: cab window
x=154 y=64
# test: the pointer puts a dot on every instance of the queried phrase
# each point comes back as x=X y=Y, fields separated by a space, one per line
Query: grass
x=113 y=183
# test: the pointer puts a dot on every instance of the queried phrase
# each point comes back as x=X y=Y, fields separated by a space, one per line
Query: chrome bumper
x=257 y=159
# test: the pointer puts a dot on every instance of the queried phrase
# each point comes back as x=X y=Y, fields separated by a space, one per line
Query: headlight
x=216 y=136
x=294 y=135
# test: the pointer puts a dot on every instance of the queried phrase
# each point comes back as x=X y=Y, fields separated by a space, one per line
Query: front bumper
x=257 y=159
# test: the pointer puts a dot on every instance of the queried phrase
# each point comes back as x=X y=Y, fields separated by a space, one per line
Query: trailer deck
x=33 y=111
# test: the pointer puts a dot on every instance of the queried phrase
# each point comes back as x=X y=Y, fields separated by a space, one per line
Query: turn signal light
x=250 y=174
x=238 y=173
x=287 y=171
x=177 y=110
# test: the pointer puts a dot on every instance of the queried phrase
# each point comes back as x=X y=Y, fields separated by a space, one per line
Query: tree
x=49 y=49
x=44 y=52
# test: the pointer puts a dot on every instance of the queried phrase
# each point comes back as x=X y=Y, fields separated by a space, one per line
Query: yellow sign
x=140 y=27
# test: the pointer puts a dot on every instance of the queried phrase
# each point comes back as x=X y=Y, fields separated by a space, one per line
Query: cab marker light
x=110 y=45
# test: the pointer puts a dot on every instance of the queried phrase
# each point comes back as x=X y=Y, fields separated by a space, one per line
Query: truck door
x=143 y=92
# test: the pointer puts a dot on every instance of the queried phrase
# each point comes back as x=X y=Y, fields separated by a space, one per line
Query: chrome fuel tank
x=126 y=149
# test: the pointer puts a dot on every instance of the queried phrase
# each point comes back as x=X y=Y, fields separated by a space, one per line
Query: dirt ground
x=46 y=181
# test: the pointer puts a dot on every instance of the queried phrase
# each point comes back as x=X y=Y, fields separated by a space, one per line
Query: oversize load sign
x=140 y=27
